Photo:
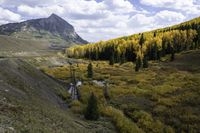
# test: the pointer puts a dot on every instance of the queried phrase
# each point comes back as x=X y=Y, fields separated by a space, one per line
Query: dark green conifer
x=138 y=64
x=123 y=58
x=90 y=70
x=172 y=55
x=141 y=42
x=154 y=34
x=112 y=59
x=145 y=62
x=92 y=110
x=155 y=52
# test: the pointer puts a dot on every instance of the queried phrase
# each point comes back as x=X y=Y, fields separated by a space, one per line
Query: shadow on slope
x=186 y=61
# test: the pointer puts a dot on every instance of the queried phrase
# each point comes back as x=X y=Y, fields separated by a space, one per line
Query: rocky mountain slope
x=53 y=28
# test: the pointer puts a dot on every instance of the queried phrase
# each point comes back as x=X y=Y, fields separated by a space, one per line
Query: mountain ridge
x=53 y=28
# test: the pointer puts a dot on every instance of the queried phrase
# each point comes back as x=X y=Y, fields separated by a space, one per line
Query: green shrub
x=148 y=124
x=123 y=124
x=92 y=110
x=90 y=70
x=76 y=107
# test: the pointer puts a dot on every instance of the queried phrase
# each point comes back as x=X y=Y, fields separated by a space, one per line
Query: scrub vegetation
x=161 y=98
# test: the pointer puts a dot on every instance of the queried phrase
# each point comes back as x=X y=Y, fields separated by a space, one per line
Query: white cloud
x=1 y=1
x=16 y=3
x=119 y=5
x=40 y=11
x=168 y=17
x=3 y=22
x=141 y=22
x=168 y=3
x=120 y=25
x=186 y=6
x=109 y=18
x=102 y=29
x=8 y=16
x=77 y=9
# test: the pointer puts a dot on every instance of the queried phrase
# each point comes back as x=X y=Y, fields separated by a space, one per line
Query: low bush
x=76 y=107
x=145 y=121
x=123 y=124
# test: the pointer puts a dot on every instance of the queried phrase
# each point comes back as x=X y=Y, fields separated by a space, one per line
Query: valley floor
x=162 y=98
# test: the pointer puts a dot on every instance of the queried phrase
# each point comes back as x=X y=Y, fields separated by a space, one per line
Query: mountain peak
x=54 y=26
x=53 y=15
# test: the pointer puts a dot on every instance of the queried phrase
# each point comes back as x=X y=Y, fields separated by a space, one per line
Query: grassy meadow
x=163 y=98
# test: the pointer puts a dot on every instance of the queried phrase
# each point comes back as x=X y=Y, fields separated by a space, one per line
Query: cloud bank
x=98 y=20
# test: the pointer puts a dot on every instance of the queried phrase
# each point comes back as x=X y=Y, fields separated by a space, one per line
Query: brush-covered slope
x=8 y=43
x=53 y=28
x=152 y=44
x=163 y=98
x=14 y=47
x=32 y=102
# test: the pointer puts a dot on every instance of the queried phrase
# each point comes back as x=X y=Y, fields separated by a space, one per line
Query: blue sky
x=97 y=20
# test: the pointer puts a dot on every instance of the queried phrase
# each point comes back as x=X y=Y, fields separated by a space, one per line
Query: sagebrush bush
x=148 y=124
x=123 y=124
x=76 y=107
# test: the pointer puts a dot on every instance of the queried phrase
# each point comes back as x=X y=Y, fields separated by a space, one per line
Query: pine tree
x=159 y=55
x=96 y=55
x=90 y=70
x=138 y=64
x=154 y=34
x=145 y=62
x=92 y=110
x=117 y=57
x=123 y=58
x=112 y=59
x=137 y=68
x=163 y=52
x=141 y=41
x=155 y=52
x=172 y=54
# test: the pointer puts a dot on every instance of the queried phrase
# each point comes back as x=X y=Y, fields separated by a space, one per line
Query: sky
x=96 y=20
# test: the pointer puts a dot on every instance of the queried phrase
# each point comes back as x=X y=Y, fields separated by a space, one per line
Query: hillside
x=54 y=29
x=148 y=45
x=16 y=47
x=161 y=98
x=144 y=83
x=152 y=77
x=32 y=102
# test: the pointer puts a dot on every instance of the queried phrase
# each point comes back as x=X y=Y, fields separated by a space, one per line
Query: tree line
x=140 y=48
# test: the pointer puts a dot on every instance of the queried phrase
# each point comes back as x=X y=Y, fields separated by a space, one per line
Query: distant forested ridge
x=148 y=45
